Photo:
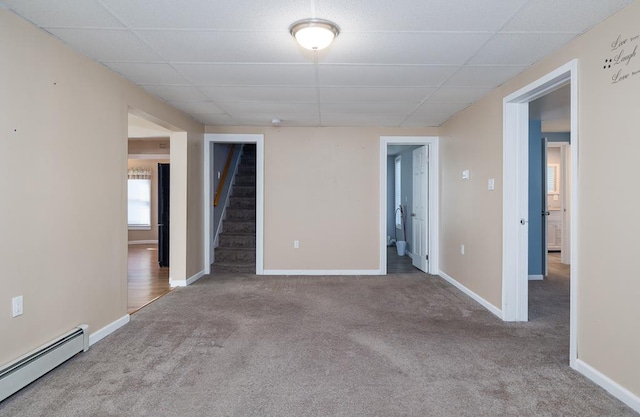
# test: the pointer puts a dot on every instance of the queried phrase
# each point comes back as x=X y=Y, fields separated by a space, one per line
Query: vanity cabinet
x=554 y=230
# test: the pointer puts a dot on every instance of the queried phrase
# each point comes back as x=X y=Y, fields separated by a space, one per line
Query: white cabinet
x=554 y=230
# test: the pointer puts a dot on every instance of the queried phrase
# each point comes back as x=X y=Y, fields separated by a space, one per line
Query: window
x=398 y=190
x=139 y=199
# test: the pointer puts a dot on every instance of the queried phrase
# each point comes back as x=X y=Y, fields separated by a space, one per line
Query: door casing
x=432 y=142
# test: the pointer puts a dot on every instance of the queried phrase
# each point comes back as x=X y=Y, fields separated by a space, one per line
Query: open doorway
x=242 y=158
x=148 y=160
x=516 y=213
x=408 y=204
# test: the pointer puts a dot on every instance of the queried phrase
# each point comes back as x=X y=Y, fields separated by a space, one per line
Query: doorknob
x=523 y=221
x=545 y=213
x=413 y=214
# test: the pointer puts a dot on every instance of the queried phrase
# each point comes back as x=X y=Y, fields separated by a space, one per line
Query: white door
x=419 y=216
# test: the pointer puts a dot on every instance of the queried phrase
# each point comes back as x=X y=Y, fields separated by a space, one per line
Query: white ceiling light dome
x=314 y=34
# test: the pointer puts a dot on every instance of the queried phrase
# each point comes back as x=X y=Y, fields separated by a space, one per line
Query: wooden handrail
x=224 y=176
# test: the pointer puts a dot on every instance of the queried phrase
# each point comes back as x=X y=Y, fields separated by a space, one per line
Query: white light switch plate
x=465 y=174
x=491 y=184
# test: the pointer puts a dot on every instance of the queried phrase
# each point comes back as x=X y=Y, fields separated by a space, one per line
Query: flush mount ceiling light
x=314 y=34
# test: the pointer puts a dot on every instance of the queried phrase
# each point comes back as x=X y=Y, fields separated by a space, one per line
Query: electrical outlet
x=296 y=244
x=461 y=249
x=17 y=305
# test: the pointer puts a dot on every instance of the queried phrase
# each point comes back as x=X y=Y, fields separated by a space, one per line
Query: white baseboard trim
x=536 y=277
x=189 y=281
x=98 y=335
x=321 y=272
x=143 y=242
x=610 y=385
x=484 y=303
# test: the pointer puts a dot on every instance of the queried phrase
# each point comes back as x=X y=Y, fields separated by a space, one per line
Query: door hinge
x=426 y=256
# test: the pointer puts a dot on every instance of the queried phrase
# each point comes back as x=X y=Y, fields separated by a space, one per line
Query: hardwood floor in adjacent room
x=146 y=281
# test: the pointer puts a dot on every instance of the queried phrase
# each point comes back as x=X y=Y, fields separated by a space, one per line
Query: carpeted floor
x=401 y=345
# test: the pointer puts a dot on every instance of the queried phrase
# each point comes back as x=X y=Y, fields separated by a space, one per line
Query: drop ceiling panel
x=204 y=107
x=274 y=108
x=143 y=73
x=220 y=46
x=519 y=48
x=562 y=16
x=458 y=94
x=402 y=108
x=432 y=15
x=383 y=75
x=207 y=14
x=248 y=74
x=405 y=48
x=176 y=92
x=107 y=45
x=270 y=94
x=264 y=119
x=371 y=119
x=431 y=120
x=427 y=109
x=357 y=94
x=485 y=76
x=234 y=62
x=216 y=119
x=65 y=13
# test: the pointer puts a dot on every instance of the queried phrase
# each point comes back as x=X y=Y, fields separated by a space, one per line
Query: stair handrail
x=224 y=176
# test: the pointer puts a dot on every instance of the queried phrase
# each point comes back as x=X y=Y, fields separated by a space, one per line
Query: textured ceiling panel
x=383 y=75
x=107 y=45
x=248 y=75
x=270 y=94
x=217 y=46
x=563 y=16
x=409 y=62
x=486 y=76
x=357 y=94
x=519 y=48
x=405 y=48
x=176 y=92
x=419 y=15
x=64 y=13
x=148 y=73
x=458 y=94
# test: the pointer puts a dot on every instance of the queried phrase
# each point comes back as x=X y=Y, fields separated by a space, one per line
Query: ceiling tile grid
x=410 y=63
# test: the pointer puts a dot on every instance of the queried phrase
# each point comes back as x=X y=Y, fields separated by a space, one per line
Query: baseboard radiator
x=26 y=369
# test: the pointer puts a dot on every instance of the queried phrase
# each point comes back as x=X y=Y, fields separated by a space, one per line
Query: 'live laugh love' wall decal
x=623 y=61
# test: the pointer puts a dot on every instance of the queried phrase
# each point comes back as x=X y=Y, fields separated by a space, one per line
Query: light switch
x=465 y=174
x=17 y=305
x=491 y=184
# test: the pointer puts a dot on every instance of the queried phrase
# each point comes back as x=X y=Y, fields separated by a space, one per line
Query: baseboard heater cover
x=18 y=374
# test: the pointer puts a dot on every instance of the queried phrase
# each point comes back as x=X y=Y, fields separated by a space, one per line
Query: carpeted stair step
x=244 y=191
x=241 y=203
x=241 y=215
x=239 y=227
x=235 y=255
x=237 y=240
x=234 y=268
x=245 y=180
x=246 y=170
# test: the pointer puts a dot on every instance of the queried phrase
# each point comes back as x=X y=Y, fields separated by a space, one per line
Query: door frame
x=258 y=140
x=434 y=192
x=515 y=295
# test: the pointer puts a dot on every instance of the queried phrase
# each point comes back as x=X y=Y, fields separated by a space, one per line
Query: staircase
x=237 y=241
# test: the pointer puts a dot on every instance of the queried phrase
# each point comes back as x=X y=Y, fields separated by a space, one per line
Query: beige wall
x=609 y=146
x=152 y=164
x=63 y=162
x=322 y=188
x=149 y=146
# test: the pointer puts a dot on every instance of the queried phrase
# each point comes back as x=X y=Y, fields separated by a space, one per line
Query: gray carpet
x=401 y=345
